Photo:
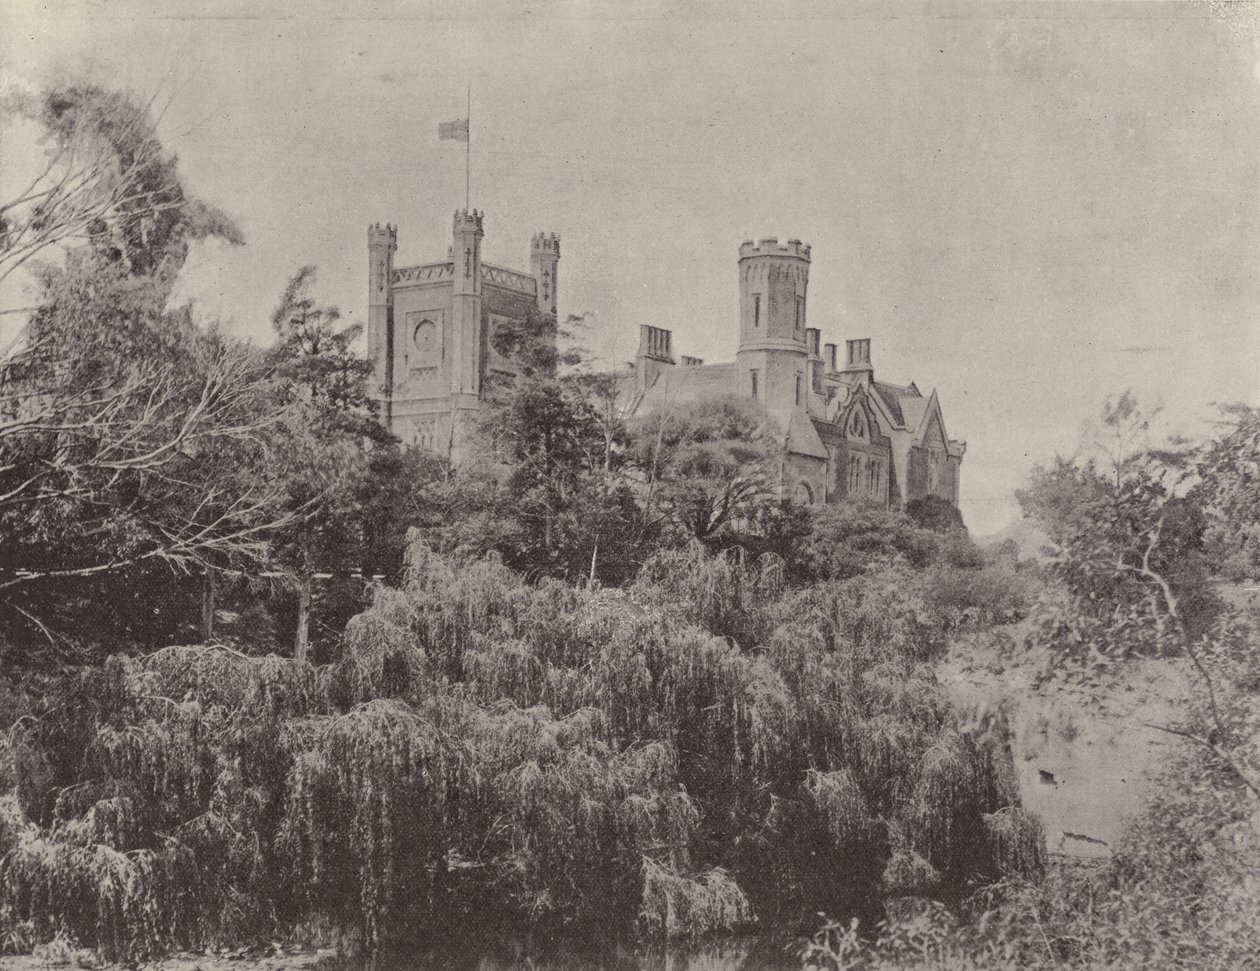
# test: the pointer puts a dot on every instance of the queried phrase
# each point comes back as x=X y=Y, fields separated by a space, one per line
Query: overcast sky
x=1026 y=206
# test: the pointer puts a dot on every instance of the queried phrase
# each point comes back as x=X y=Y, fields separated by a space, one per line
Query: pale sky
x=1026 y=206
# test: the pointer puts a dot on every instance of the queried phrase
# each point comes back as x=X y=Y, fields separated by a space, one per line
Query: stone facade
x=430 y=327
x=845 y=432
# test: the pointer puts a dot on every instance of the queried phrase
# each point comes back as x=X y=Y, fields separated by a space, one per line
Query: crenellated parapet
x=386 y=235
x=772 y=247
x=543 y=243
x=469 y=220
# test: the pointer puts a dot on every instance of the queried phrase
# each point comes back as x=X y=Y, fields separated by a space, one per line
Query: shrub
x=714 y=747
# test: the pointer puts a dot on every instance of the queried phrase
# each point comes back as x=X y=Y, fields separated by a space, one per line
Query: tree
x=340 y=461
x=1121 y=534
x=934 y=513
x=131 y=441
x=1228 y=489
x=707 y=468
x=1130 y=558
x=105 y=180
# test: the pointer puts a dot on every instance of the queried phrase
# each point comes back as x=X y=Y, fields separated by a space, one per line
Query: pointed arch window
x=857 y=426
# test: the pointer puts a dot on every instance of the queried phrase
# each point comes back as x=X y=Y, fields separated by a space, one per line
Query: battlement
x=468 y=220
x=542 y=243
x=382 y=236
x=772 y=247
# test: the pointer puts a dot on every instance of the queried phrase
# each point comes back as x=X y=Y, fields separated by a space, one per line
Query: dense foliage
x=1141 y=540
x=712 y=748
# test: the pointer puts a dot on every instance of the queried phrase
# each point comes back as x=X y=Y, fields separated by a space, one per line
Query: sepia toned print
x=849 y=561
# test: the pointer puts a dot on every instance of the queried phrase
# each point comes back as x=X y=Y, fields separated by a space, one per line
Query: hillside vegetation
x=269 y=674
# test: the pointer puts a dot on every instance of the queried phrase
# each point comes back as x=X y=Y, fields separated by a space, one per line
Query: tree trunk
x=303 y=618
x=207 y=606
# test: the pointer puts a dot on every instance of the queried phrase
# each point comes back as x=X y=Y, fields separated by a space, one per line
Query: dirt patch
x=308 y=960
x=1086 y=759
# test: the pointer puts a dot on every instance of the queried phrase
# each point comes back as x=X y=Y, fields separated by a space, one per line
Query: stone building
x=429 y=327
x=846 y=433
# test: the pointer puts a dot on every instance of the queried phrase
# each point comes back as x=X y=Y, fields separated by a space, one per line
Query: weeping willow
x=704 y=749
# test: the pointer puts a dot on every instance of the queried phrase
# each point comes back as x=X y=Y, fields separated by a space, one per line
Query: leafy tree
x=105 y=180
x=707 y=469
x=349 y=488
x=317 y=361
x=1129 y=552
x=534 y=344
x=133 y=446
x=1228 y=489
x=934 y=513
x=529 y=756
x=1131 y=561
x=856 y=536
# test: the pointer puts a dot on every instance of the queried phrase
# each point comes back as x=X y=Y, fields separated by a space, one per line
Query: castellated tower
x=431 y=328
x=773 y=354
x=382 y=244
x=544 y=259
x=466 y=310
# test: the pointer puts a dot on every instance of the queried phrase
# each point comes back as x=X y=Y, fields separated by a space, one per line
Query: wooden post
x=207 y=606
x=303 y=617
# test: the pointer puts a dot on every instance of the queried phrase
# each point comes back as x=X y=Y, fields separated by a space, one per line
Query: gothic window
x=857 y=424
x=855 y=474
x=874 y=479
x=798 y=389
x=934 y=469
x=753 y=375
x=756 y=310
x=800 y=312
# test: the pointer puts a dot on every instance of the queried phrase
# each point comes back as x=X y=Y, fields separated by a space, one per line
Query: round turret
x=773 y=280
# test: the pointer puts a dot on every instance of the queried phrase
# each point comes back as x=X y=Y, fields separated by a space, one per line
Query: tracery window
x=855 y=474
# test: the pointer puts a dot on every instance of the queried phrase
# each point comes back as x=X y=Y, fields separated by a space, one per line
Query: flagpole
x=468 y=151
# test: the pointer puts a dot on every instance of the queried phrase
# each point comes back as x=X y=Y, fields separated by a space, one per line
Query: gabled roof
x=676 y=386
x=897 y=399
x=802 y=437
x=932 y=408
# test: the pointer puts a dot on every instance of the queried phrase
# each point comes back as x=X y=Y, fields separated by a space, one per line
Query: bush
x=849 y=538
x=713 y=748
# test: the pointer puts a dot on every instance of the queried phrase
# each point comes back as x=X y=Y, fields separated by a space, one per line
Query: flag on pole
x=456 y=130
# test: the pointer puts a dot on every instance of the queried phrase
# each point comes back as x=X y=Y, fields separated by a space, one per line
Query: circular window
x=425 y=337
